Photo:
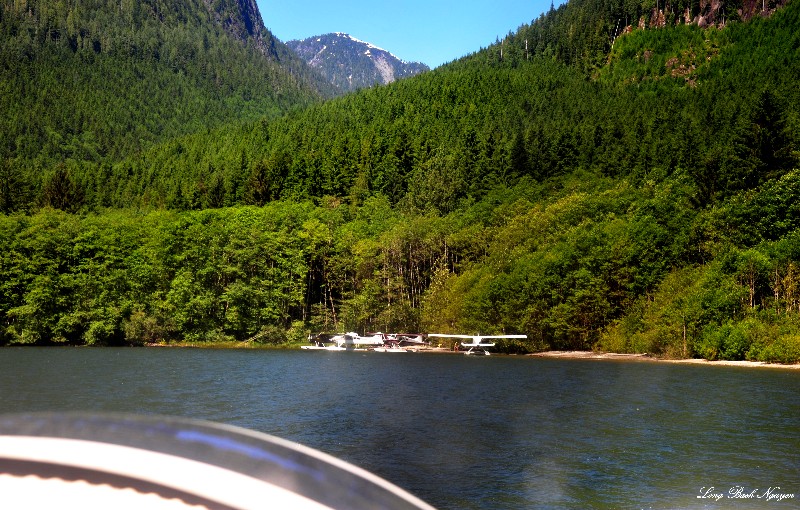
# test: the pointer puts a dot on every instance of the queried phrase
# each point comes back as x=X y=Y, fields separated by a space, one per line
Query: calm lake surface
x=465 y=432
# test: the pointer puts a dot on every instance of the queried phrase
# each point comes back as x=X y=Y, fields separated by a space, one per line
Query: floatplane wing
x=476 y=341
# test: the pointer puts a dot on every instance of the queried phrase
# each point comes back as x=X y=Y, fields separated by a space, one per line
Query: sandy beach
x=650 y=358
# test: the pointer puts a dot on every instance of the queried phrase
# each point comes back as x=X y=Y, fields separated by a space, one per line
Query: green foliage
x=597 y=264
x=586 y=196
x=784 y=349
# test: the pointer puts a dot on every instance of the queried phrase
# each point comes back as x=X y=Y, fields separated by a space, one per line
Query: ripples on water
x=463 y=432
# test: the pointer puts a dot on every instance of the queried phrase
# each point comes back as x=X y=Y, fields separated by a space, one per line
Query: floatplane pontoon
x=476 y=344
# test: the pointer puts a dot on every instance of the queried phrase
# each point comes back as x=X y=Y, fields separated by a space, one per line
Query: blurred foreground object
x=95 y=461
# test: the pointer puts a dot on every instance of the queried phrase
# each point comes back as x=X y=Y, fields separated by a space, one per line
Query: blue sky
x=430 y=31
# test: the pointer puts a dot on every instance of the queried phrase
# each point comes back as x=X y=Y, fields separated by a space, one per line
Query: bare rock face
x=242 y=19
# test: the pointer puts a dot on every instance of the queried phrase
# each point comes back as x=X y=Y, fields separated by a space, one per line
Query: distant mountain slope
x=458 y=131
x=351 y=64
x=100 y=79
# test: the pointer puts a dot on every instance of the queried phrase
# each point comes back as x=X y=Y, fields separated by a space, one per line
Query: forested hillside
x=717 y=103
x=96 y=80
x=642 y=199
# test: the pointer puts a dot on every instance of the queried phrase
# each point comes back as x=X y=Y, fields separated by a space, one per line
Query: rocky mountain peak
x=350 y=63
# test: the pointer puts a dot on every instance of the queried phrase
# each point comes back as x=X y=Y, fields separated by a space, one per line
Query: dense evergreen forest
x=607 y=177
x=96 y=80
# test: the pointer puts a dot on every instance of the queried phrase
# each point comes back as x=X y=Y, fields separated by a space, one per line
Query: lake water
x=463 y=432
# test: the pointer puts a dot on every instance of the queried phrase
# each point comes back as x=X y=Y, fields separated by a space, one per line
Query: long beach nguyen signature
x=771 y=494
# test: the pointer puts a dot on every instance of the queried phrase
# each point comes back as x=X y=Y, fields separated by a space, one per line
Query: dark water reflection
x=460 y=432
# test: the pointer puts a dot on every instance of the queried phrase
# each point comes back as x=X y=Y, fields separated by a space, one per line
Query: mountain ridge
x=351 y=63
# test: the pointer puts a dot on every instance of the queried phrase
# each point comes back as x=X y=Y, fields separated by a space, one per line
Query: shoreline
x=588 y=355
x=599 y=355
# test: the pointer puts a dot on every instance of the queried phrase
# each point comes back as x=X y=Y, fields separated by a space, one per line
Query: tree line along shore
x=274 y=274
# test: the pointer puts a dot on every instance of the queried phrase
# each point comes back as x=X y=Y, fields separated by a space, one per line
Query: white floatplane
x=476 y=345
x=344 y=342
